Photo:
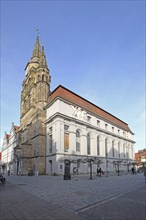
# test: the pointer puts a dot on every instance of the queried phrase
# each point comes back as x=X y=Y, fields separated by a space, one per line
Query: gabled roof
x=7 y=136
x=16 y=128
x=72 y=97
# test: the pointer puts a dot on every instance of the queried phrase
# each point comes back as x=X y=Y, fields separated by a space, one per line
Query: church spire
x=43 y=62
x=36 y=51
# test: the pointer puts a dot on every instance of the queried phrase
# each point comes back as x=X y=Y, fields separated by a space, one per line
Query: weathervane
x=38 y=34
x=37 y=31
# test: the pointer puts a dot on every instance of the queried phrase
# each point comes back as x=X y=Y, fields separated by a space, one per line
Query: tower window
x=38 y=77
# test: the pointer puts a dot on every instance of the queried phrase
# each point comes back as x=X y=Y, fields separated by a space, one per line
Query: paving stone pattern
x=81 y=198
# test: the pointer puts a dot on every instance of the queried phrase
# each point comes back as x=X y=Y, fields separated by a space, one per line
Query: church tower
x=34 y=96
x=36 y=85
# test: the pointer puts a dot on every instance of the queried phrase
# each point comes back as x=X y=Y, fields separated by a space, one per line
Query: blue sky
x=94 y=48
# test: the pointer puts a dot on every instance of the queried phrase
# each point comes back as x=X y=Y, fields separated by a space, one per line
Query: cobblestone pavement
x=51 y=197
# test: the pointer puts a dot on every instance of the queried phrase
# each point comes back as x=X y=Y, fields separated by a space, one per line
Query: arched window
x=88 y=144
x=38 y=77
x=119 y=149
x=77 y=141
x=113 y=150
x=43 y=77
x=98 y=146
x=106 y=154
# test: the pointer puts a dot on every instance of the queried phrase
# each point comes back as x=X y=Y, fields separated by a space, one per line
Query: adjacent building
x=61 y=128
x=140 y=157
x=9 y=143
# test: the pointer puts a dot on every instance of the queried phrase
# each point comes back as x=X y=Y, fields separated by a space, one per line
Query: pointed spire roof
x=43 y=62
x=38 y=56
x=36 y=50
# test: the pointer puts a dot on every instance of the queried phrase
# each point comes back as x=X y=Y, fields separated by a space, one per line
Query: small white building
x=82 y=133
x=9 y=143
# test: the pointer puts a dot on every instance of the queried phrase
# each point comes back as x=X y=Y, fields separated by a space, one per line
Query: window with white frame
x=78 y=141
x=113 y=149
x=66 y=138
x=106 y=150
x=50 y=143
x=98 y=145
x=88 y=144
x=119 y=149
x=124 y=150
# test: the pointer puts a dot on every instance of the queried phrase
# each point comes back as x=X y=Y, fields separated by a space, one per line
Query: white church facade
x=80 y=132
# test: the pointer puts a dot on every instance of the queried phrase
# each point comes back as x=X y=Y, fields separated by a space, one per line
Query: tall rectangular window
x=66 y=142
x=119 y=149
x=66 y=138
x=124 y=150
x=77 y=141
x=98 y=146
x=50 y=143
x=113 y=150
x=106 y=149
x=88 y=144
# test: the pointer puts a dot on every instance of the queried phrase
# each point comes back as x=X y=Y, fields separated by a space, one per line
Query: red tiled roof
x=70 y=96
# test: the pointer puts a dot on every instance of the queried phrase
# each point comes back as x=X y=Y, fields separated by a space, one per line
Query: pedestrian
x=144 y=173
x=132 y=171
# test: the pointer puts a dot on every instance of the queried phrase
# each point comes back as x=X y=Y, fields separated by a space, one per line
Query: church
x=60 y=129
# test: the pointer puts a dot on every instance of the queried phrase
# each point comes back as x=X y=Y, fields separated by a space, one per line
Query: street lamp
x=90 y=160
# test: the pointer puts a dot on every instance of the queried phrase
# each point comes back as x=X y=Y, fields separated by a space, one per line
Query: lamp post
x=118 y=169
x=90 y=160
